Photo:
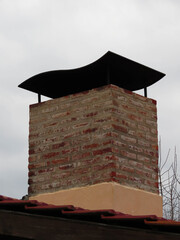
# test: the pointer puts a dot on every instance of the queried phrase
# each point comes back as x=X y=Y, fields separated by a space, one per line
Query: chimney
x=95 y=144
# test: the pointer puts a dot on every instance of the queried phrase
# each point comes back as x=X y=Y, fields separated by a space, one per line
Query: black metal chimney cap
x=111 y=68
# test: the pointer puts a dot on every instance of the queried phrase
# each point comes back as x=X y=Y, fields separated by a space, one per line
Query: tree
x=169 y=186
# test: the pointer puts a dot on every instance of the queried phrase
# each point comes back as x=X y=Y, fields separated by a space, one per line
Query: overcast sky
x=42 y=35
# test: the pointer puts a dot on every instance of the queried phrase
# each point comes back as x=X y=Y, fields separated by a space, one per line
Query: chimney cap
x=111 y=68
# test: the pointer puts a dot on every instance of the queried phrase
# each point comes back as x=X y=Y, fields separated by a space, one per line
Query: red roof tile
x=109 y=217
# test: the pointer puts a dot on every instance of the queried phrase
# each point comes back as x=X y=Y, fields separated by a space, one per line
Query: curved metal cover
x=109 y=69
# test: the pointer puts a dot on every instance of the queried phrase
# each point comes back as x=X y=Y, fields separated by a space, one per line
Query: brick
x=90 y=130
x=127 y=91
x=80 y=125
x=135 y=148
x=119 y=143
x=136 y=103
x=143 y=128
x=91 y=146
x=143 y=173
x=127 y=169
x=151 y=139
x=58 y=161
x=129 y=108
x=135 y=164
x=80 y=171
x=135 y=118
x=61 y=114
x=50 y=155
x=46 y=170
x=66 y=166
x=143 y=158
x=128 y=154
x=70 y=150
x=32 y=159
x=81 y=156
x=120 y=128
x=104 y=134
x=60 y=145
x=143 y=143
x=104 y=166
x=92 y=114
x=72 y=134
x=128 y=139
x=31 y=151
x=128 y=123
x=121 y=176
x=136 y=180
x=31 y=173
x=102 y=151
x=50 y=124
x=37 y=165
x=101 y=120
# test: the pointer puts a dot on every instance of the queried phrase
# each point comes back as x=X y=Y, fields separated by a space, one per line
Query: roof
x=111 y=68
x=108 y=217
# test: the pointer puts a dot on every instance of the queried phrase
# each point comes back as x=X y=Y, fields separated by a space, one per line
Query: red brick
x=90 y=135
x=154 y=101
x=31 y=173
x=135 y=118
x=127 y=169
x=90 y=146
x=118 y=143
x=143 y=173
x=70 y=150
x=37 y=165
x=121 y=176
x=81 y=156
x=31 y=151
x=66 y=166
x=32 y=159
x=90 y=130
x=61 y=114
x=143 y=158
x=59 y=145
x=92 y=114
x=128 y=154
x=72 y=134
x=104 y=166
x=80 y=171
x=135 y=148
x=127 y=91
x=137 y=180
x=102 y=151
x=120 y=128
x=129 y=108
x=50 y=124
x=58 y=161
x=50 y=155
x=45 y=170
x=135 y=164
x=128 y=139
x=80 y=125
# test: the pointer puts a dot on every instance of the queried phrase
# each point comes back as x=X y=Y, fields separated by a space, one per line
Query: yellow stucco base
x=106 y=196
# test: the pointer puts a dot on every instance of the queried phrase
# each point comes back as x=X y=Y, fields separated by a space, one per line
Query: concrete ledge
x=107 y=196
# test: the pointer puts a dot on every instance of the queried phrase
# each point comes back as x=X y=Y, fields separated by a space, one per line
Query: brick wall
x=102 y=135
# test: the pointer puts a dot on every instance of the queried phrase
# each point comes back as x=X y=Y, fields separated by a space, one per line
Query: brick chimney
x=96 y=149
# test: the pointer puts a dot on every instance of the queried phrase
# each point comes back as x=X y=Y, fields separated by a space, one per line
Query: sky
x=43 y=35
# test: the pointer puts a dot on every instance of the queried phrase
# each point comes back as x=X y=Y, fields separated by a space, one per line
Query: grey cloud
x=42 y=35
